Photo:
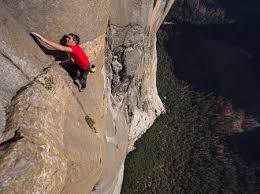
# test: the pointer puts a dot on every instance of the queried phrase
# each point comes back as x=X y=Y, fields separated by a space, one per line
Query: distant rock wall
x=131 y=39
x=47 y=145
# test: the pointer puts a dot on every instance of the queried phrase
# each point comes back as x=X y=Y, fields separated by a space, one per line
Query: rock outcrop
x=47 y=145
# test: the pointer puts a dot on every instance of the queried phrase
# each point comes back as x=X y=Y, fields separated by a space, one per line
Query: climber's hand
x=37 y=35
x=55 y=61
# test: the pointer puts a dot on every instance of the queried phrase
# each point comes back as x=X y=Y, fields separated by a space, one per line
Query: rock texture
x=20 y=60
x=131 y=39
x=46 y=145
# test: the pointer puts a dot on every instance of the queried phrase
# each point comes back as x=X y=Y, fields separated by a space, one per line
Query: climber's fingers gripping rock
x=37 y=35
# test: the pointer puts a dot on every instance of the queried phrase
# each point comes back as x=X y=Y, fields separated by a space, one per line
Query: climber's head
x=72 y=39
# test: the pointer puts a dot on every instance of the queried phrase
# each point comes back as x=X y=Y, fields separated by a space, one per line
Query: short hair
x=75 y=38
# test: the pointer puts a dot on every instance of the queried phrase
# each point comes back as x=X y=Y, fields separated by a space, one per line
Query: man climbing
x=76 y=53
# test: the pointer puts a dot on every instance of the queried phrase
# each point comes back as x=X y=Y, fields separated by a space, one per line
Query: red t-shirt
x=80 y=57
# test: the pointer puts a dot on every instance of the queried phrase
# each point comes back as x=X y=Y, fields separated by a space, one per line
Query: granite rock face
x=47 y=145
x=20 y=60
x=132 y=40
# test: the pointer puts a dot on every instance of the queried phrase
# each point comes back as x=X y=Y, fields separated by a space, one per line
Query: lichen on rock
x=91 y=122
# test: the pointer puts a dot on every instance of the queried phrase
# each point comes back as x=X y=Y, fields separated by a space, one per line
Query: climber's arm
x=68 y=58
x=53 y=44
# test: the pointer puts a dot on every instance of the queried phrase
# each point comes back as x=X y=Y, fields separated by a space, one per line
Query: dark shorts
x=81 y=74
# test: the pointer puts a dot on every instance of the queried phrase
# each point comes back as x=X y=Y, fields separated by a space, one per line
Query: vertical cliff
x=46 y=145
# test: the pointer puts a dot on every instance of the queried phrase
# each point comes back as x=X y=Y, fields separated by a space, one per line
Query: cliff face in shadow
x=47 y=145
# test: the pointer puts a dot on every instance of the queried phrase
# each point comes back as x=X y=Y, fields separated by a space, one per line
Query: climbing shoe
x=81 y=89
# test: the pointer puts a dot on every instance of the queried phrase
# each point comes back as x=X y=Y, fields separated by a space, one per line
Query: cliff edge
x=47 y=143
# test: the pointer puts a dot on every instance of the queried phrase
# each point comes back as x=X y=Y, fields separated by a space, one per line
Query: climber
x=76 y=53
